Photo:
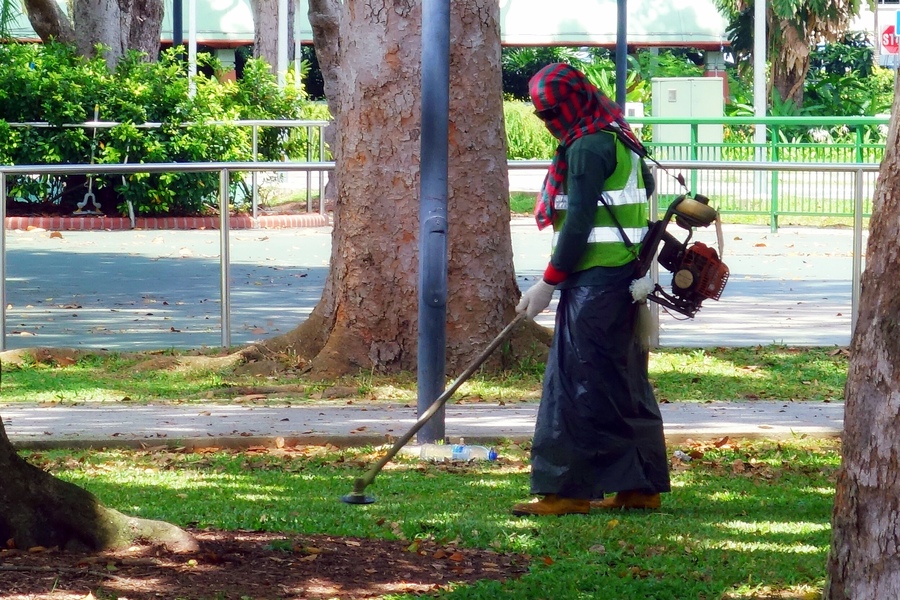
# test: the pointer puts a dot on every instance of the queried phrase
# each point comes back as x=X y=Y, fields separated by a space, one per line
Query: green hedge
x=526 y=136
x=51 y=83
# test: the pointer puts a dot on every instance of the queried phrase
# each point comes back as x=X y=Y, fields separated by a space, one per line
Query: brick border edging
x=95 y=223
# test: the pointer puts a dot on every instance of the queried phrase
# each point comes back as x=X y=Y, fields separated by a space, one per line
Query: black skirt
x=598 y=429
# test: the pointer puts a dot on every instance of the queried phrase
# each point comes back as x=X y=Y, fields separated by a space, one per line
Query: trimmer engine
x=698 y=272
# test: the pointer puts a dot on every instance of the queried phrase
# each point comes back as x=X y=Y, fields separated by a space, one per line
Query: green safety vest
x=625 y=194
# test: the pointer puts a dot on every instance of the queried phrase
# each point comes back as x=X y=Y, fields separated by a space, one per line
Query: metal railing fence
x=779 y=192
x=772 y=194
x=856 y=173
x=310 y=140
x=224 y=170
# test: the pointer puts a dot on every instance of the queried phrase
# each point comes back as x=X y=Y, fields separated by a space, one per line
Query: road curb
x=357 y=441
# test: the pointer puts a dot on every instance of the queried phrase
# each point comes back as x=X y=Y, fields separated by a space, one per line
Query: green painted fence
x=775 y=194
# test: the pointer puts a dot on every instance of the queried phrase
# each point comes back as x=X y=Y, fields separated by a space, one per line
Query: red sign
x=890 y=43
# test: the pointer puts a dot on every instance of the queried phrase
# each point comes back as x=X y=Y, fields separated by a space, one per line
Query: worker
x=599 y=430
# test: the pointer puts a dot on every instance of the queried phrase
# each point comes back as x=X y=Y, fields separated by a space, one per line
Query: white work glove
x=535 y=299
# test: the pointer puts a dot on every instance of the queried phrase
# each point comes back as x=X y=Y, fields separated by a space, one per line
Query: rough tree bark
x=370 y=53
x=265 y=30
x=49 y=21
x=864 y=561
x=120 y=25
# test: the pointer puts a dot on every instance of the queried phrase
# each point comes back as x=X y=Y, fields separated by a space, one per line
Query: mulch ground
x=238 y=564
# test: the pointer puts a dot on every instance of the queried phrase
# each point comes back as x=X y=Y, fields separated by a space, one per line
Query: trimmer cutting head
x=357 y=498
x=358 y=495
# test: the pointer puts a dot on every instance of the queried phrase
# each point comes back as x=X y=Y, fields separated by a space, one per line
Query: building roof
x=694 y=23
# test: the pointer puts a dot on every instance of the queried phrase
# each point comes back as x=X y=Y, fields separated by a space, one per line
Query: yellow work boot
x=628 y=500
x=551 y=504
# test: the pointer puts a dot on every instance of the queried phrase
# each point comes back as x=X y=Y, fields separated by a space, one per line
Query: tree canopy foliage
x=793 y=29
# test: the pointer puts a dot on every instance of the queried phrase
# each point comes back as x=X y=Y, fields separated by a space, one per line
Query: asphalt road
x=139 y=290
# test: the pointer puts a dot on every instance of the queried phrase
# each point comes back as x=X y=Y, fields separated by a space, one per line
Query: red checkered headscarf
x=572 y=107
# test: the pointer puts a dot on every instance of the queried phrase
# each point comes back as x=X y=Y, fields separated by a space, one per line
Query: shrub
x=52 y=83
x=527 y=137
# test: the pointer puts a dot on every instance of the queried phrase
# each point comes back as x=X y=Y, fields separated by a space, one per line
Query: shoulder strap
x=642 y=152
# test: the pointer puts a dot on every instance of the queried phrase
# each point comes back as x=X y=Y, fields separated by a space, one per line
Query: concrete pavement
x=247 y=424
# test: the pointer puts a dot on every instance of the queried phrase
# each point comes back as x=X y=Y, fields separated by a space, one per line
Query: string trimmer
x=358 y=496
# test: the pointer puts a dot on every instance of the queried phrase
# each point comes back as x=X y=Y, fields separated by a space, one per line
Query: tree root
x=37 y=509
x=148 y=361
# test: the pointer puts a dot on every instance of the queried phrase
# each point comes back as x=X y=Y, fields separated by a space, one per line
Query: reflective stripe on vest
x=601 y=235
x=613 y=198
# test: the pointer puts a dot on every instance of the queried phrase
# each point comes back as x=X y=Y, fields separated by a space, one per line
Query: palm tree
x=793 y=27
x=7 y=14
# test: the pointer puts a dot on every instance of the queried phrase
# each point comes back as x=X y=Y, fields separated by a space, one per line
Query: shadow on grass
x=737 y=523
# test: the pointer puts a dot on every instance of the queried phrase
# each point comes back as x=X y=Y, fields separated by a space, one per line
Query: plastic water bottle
x=457 y=452
x=466 y=452
x=435 y=451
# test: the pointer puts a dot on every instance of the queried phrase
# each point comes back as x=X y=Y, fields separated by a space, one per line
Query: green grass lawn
x=744 y=519
x=678 y=374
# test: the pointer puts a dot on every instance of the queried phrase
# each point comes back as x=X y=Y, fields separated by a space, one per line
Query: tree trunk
x=367 y=318
x=265 y=31
x=49 y=21
x=144 y=21
x=119 y=25
x=864 y=560
x=36 y=509
x=790 y=61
